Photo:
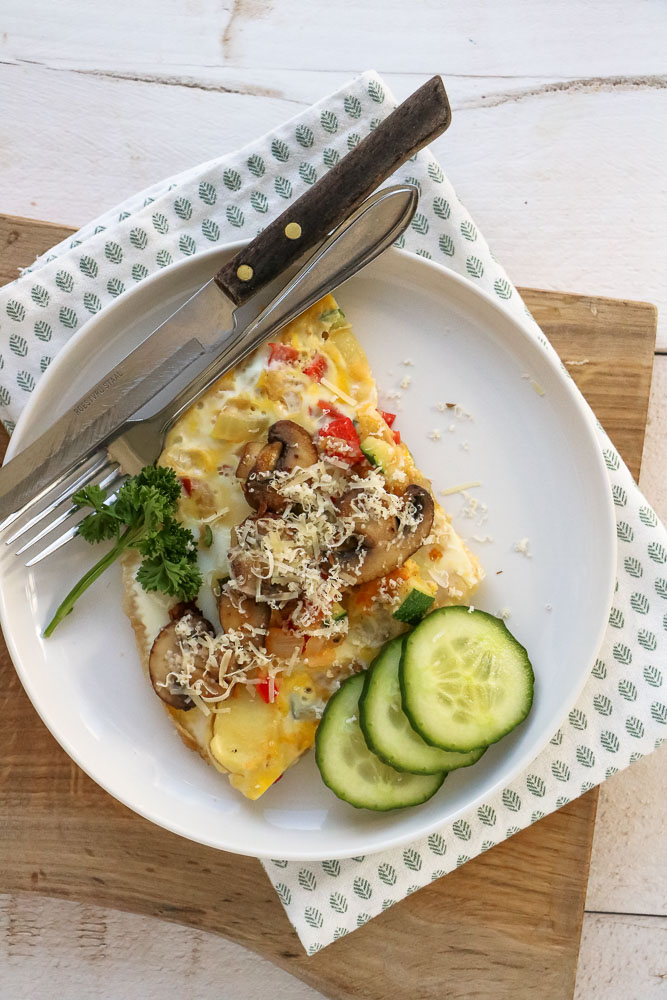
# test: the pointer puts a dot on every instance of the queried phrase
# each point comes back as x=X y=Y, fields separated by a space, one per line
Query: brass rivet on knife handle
x=414 y=123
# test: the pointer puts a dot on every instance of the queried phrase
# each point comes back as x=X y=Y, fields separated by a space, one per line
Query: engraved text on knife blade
x=111 y=379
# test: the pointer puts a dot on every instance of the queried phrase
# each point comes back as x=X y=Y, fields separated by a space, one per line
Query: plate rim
x=389 y=842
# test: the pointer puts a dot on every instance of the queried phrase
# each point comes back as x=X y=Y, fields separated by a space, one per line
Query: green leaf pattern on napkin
x=622 y=712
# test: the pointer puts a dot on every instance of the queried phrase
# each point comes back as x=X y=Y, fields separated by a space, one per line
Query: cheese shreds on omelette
x=307 y=546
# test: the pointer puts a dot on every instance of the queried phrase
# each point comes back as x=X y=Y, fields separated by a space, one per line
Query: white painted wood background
x=558 y=148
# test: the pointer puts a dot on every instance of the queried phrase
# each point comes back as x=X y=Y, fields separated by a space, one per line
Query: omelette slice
x=318 y=540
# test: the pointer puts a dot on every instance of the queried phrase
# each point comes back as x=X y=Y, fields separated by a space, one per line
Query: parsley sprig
x=141 y=517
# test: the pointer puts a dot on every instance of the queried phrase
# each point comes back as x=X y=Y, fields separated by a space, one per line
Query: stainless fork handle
x=346 y=251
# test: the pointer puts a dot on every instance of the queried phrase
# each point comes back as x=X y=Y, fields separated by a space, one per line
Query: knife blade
x=88 y=424
x=215 y=317
x=370 y=230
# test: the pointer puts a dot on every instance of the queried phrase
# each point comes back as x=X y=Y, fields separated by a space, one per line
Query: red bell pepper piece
x=342 y=439
x=186 y=483
x=282 y=352
x=263 y=689
x=397 y=437
x=329 y=408
x=317 y=368
x=387 y=417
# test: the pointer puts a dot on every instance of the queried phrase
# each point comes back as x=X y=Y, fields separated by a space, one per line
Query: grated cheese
x=293 y=556
x=474 y=509
x=204 y=659
x=215 y=517
x=199 y=702
x=441 y=577
x=535 y=386
x=338 y=392
x=523 y=547
x=459 y=489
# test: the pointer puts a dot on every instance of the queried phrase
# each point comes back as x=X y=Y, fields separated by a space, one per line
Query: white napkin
x=622 y=713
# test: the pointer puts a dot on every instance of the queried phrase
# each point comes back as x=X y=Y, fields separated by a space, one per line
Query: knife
x=217 y=315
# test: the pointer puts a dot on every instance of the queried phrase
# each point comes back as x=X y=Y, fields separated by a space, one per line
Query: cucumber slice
x=386 y=728
x=378 y=452
x=466 y=681
x=414 y=607
x=349 y=768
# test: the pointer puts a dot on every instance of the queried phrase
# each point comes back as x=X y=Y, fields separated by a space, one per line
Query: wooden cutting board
x=506 y=925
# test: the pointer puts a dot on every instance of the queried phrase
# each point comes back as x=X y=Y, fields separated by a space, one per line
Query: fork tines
x=53 y=508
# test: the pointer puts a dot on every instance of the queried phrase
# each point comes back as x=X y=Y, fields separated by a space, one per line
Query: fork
x=139 y=442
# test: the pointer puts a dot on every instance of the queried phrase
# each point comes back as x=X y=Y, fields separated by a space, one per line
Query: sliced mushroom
x=298 y=450
x=289 y=447
x=166 y=655
x=248 y=567
x=186 y=608
x=246 y=612
x=258 y=489
x=248 y=458
x=267 y=460
x=376 y=547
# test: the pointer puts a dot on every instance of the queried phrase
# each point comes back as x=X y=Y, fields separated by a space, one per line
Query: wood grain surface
x=505 y=925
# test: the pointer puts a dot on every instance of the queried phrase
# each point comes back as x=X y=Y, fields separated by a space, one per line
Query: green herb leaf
x=178 y=579
x=140 y=517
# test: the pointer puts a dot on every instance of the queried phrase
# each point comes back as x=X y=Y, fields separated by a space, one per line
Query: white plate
x=543 y=479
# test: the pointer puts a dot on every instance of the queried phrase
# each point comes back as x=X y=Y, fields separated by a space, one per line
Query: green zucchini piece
x=386 y=727
x=414 y=607
x=349 y=768
x=378 y=452
x=465 y=680
x=335 y=318
x=338 y=612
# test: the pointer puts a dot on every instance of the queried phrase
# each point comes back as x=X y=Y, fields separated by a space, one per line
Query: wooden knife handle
x=422 y=117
